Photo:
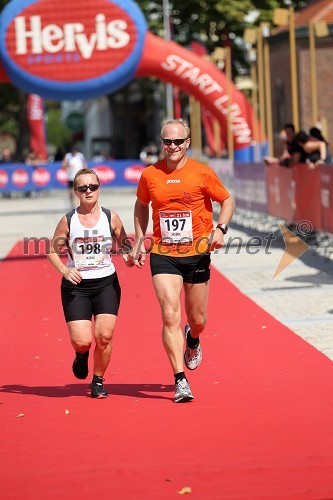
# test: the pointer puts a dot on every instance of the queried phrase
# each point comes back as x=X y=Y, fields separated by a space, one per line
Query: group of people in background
x=302 y=147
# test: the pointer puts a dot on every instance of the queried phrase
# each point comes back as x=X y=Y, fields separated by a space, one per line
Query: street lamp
x=167 y=37
x=250 y=39
x=252 y=54
x=216 y=123
x=283 y=17
x=319 y=30
x=261 y=85
x=223 y=54
x=265 y=29
x=195 y=125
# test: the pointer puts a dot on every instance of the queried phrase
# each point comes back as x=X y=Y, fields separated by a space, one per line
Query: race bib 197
x=176 y=227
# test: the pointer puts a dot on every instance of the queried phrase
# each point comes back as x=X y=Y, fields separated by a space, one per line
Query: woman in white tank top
x=90 y=285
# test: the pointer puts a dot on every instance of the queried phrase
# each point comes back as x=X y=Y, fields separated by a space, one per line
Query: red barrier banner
x=307 y=195
x=281 y=192
x=250 y=186
x=35 y=117
x=326 y=197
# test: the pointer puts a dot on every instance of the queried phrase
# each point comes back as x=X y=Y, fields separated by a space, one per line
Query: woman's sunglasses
x=84 y=189
x=177 y=142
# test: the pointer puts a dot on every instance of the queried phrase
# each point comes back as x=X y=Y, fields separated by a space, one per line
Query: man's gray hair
x=179 y=121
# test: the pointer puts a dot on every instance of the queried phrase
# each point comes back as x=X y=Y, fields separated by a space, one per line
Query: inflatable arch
x=49 y=49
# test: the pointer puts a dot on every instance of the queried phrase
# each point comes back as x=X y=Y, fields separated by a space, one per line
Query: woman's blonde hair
x=85 y=171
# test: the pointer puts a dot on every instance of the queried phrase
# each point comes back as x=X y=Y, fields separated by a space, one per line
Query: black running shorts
x=193 y=268
x=90 y=297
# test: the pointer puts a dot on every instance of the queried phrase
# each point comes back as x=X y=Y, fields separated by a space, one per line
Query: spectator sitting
x=99 y=156
x=34 y=159
x=293 y=153
x=6 y=156
x=149 y=154
x=315 y=150
x=285 y=158
x=316 y=135
x=296 y=151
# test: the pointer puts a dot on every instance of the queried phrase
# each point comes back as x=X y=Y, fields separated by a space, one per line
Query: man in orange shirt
x=181 y=191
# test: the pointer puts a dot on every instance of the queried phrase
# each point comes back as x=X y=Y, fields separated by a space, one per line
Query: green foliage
x=208 y=20
x=56 y=132
x=9 y=107
x=214 y=23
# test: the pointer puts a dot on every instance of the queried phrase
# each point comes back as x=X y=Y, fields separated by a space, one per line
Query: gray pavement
x=301 y=296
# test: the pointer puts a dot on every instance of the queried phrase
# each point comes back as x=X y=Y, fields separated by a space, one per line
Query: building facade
x=319 y=10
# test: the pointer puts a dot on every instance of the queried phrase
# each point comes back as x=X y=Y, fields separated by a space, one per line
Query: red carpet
x=260 y=427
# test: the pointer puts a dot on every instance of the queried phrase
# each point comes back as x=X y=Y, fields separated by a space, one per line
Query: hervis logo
x=54 y=50
x=133 y=173
x=20 y=177
x=41 y=176
x=105 y=174
x=3 y=178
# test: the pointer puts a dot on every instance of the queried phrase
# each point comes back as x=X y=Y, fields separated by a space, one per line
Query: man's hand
x=217 y=240
x=138 y=255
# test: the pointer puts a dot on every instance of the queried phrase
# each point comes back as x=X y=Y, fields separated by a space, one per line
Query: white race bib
x=89 y=252
x=176 y=227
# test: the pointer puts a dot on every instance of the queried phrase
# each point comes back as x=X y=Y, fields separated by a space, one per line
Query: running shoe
x=183 y=392
x=80 y=365
x=192 y=357
x=97 y=390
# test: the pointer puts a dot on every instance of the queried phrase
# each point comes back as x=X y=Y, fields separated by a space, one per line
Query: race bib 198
x=176 y=227
x=89 y=251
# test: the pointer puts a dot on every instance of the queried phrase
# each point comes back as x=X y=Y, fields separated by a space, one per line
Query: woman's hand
x=72 y=274
x=128 y=259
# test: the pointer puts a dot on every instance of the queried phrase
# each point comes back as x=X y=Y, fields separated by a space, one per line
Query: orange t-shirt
x=182 y=206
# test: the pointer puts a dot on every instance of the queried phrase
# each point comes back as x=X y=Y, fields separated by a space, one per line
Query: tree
x=56 y=132
x=215 y=23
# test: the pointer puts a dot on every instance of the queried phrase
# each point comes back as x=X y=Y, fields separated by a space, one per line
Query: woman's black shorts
x=90 y=297
x=192 y=268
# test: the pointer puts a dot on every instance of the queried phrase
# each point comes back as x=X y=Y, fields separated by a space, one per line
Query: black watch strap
x=223 y=227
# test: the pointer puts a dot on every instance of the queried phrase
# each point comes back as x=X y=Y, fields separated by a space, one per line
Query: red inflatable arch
x=197 y=76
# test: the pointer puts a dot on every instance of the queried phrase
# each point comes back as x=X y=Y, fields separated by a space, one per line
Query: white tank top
x=91 y=248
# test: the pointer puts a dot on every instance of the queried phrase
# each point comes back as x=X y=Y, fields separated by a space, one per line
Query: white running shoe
x=192 y=357
x=183 y=392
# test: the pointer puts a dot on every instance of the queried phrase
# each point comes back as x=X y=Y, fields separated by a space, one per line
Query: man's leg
x=196 y=300
x=167 y=289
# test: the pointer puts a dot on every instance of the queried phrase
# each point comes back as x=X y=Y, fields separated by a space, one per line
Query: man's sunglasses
x=84 y=189
x=177 y=142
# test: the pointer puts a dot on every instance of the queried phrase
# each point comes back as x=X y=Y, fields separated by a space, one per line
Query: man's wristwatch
x=223 y=227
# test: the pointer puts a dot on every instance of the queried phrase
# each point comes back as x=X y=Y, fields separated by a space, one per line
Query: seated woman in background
x=285 y=157
x=315 y=149
x=316 y=135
